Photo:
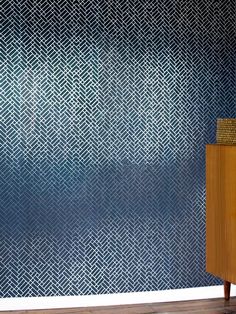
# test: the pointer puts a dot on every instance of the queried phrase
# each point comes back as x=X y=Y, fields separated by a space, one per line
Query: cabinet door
x=221 y=211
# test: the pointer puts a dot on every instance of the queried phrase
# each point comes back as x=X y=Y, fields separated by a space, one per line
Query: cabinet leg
x=227 y=285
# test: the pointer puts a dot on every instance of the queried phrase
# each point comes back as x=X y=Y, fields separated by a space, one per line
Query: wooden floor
x=210 y=306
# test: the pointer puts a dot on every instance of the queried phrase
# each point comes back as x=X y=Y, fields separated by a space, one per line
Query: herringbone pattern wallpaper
x=106 y=109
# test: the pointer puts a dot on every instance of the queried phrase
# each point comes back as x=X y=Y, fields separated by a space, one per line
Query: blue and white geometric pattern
x=106 y=109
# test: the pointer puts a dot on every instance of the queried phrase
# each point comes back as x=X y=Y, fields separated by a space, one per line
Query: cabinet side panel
x=213 y=254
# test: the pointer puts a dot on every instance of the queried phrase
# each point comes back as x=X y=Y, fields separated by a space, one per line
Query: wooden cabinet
x=221 y=213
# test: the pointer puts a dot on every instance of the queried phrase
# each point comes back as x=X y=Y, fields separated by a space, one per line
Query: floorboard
x=209 y=306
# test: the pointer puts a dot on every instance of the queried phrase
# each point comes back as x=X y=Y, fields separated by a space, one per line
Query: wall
x=107 y=107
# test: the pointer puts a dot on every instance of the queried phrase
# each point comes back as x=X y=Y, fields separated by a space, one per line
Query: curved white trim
x=33 y=303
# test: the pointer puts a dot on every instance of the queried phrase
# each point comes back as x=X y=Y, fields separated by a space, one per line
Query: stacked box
x=226 y=131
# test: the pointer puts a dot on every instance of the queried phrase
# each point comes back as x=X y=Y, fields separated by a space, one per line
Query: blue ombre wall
x=106 y=110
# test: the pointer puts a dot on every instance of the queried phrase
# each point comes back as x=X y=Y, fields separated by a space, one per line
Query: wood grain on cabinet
x=221 y=212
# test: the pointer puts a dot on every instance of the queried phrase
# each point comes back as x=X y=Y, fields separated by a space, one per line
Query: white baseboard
x=33 y=303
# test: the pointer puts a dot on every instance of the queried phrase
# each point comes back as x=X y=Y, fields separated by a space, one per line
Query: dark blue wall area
x=107 y=107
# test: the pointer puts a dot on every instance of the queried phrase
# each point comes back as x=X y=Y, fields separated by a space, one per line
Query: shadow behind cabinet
x=221 y=213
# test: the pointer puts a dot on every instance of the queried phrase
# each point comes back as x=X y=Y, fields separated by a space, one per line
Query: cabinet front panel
x=221 y=211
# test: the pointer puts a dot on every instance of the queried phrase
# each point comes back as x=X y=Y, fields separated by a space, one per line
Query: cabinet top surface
x=221 y=145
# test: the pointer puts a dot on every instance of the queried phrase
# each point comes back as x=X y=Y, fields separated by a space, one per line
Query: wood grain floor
x=210 y=306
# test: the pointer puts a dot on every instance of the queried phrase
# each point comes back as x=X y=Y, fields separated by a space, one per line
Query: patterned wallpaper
x=106 y=109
